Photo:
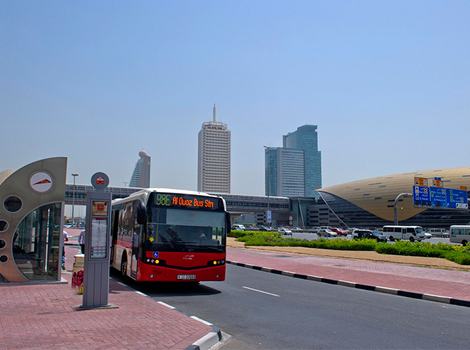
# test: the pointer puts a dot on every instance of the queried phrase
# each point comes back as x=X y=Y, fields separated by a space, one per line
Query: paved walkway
x=46 y=316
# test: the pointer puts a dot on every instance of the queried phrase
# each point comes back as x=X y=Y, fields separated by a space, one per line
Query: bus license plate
x=186 y=277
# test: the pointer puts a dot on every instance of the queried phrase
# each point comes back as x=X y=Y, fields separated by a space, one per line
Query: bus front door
x=135 y=254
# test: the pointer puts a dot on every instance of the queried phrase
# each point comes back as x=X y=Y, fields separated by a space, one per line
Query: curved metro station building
x=370 y=202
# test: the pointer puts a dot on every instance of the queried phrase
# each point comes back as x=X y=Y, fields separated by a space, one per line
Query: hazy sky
x=387 y=83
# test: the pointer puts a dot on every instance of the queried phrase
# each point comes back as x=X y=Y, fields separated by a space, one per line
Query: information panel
x=99 y=227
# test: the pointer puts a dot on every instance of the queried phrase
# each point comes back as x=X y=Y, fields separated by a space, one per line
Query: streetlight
x=73 y=198
x=396 y=202
x=269 y=186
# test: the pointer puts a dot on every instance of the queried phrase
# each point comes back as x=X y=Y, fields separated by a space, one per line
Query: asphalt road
x=267 y=311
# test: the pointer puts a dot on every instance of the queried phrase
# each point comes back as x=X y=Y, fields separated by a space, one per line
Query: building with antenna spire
x=214 y=157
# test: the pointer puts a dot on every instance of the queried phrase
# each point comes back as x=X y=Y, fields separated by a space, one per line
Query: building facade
x=371 y=202
x=141 y=175
x=214 y=157
x=294 y=170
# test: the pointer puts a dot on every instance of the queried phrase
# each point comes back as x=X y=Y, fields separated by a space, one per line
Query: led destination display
x=186 y=201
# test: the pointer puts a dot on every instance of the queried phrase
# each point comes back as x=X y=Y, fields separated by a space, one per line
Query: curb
x=204 y=343
x=403 y=293
x=207 y=341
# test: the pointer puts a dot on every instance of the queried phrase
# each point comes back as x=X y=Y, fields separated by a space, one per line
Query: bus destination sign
x=187 y=201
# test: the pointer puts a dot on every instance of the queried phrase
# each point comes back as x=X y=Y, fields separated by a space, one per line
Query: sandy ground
x=358 y=255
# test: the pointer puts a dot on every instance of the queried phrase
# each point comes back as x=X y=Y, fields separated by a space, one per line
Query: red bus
x=170 y=235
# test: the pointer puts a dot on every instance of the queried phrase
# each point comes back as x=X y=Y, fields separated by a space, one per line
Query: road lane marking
x=260 y=291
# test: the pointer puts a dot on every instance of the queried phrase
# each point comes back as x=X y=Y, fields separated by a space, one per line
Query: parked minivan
x=411 y=233
x=460 y=234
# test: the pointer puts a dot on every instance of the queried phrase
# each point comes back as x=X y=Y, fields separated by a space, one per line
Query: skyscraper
x=213 y=171
x=141 y=175
x=294 y=170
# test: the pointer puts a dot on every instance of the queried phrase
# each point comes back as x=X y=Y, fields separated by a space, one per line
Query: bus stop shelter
x=31 y=224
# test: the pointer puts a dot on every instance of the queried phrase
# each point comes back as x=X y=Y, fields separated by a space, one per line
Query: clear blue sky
x=387 y=83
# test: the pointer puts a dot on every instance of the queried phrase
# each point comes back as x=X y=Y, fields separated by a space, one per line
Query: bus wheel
x=412 y=239
x=464 y=243
x=392 y=238
x=124 y=269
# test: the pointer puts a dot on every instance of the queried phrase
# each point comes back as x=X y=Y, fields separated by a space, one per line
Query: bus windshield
x=183 y=230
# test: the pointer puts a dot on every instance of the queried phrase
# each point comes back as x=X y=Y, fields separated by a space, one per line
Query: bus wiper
x=206 y=247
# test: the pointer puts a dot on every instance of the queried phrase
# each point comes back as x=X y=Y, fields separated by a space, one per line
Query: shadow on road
x=167 y=289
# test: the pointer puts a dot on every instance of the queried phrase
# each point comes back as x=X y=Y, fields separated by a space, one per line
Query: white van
x=411 y=233
x=460 y=234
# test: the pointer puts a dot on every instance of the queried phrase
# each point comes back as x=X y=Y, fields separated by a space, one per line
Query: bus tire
x=392 y=238
x=464 y=243
x=412 y=239
x=124 y=268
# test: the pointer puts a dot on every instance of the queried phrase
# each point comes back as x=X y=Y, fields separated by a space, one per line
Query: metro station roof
x=377 y=195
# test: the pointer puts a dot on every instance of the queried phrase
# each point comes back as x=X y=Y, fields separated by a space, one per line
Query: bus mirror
x=141 y=213
x=228 y=222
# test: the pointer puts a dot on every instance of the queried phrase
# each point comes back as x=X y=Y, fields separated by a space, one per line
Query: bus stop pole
x=97 y=243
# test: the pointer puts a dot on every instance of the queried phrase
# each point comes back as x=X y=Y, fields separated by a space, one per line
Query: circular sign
x=41 y=182
x=100 y=181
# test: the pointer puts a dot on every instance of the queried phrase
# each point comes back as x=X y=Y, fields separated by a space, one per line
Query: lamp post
x=396 y=202
x=269 y=184
x=73 y=198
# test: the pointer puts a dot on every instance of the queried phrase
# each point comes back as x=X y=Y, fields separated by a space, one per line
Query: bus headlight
x=155 y=262
x=216 y=262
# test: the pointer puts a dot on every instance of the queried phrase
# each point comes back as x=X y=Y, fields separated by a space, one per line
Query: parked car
x=265 y=228
x=285 y=232
x=237 y=228
x=326 y=232
x=339 y=231
x=364 y=234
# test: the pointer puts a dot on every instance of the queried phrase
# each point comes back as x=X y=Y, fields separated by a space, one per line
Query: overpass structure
x=236 y=204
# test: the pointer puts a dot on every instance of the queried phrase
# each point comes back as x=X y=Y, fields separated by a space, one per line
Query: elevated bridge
x=235 y=203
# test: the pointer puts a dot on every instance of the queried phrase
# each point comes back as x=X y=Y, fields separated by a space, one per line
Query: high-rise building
x=213 y=171
x=141 y=175
x=294 y=170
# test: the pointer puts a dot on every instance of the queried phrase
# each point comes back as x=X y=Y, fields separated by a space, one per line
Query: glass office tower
x=294 y=170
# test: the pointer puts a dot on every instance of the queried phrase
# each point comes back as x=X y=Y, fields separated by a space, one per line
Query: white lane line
x=201 y=320
x=260 y=291
x=165 y=304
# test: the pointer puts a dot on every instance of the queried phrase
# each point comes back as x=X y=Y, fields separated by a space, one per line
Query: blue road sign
x=440 y=197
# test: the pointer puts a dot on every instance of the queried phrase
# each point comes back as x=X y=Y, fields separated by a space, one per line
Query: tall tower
x=294 y=170
x=213 y=171
x=141 y=175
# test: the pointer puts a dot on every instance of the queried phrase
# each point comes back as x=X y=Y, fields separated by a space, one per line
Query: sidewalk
x=45 y=316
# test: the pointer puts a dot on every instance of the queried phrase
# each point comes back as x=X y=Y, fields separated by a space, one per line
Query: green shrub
x=455 y=253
